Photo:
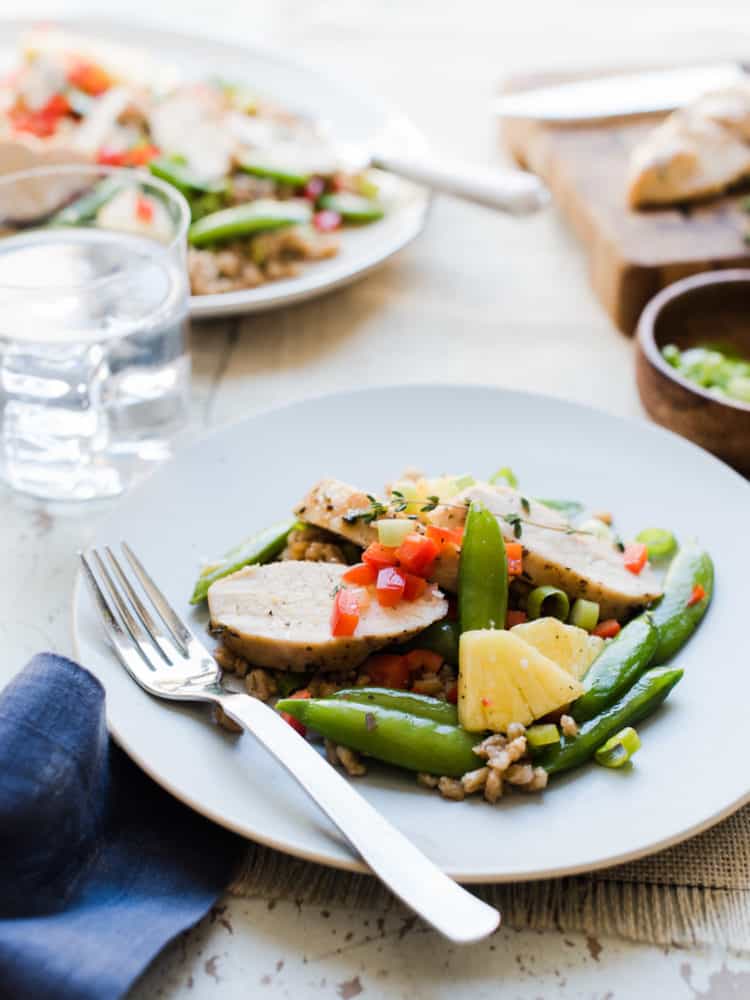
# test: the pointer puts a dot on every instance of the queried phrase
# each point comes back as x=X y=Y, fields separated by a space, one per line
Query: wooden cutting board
x=631 y=254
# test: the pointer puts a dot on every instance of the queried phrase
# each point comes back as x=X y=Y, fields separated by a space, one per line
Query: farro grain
x=450 y=788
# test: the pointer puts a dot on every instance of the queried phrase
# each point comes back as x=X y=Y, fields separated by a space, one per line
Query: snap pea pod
x=619 y=664
x=352 y=207
x=245 y=220
x=84 y=208
x=643 y=698
x=180 y=175
x=294 y=176
x=260 y=548
x=482 y=573
x=408 y=741
x=674 y=616
x=403 y=701
x=440 y=637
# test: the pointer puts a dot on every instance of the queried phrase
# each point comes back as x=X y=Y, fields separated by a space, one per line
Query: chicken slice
x=279 y=616
x=581 y=564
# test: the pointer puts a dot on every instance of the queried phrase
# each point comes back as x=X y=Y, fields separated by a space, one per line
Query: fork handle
x=407 y=872
x=514 y=191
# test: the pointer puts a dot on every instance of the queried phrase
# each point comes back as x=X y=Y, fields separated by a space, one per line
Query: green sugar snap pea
x=403 y=701
x=675 y=616
x=617 y=667
x=482 y=573
x=399 y=738
x=245 y=220
x=643 y=698
x=259 y=548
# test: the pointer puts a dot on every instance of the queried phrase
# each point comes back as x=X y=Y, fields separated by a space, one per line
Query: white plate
x=690 y=772
x=353 y=116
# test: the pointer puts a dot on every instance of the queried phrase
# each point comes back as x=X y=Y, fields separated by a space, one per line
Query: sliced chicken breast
x=327 y=503
x=279 y=616
x=580 y=564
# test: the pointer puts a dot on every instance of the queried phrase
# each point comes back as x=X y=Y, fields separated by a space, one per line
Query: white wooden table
x=478 y=298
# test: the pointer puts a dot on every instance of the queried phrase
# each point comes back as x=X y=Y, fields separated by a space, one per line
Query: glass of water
x=94 y=370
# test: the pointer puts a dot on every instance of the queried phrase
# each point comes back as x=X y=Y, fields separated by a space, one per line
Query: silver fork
x=162 y=655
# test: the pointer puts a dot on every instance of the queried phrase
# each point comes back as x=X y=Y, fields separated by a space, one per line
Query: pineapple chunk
x=503 y=679
x=569 y=647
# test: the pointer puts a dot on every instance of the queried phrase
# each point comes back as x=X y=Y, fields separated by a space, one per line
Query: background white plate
x=353 y=116
x=691 y=770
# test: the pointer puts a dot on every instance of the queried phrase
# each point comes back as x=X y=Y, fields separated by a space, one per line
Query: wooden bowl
x=705 y=308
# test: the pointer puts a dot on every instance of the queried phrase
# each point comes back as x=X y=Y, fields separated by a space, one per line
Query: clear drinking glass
x=94 y=370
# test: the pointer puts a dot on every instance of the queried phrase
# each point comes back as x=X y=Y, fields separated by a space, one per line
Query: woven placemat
x=697 y=893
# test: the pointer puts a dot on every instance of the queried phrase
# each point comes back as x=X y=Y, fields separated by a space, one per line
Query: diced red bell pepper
x=388 y=669
x=417 y=554
x=635 y=557
x=424 y=659
x=514 y=553
x=445 y=536
x=515 y=618
x=89 y=77
x=379 y=556
x=451 y=695
x=42 y=122
x=696 y=596
x=345 y=615
x=607 y=629
x=361 y=575
x=390 y=587
x=414 y=587
x=144 y=209
x=140 y=155
x=300 y=727
x=57 y=106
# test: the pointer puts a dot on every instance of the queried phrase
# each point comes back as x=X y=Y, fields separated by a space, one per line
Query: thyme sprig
x=376 y=510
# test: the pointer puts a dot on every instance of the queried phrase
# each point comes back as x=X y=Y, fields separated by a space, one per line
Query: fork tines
x=145 y=630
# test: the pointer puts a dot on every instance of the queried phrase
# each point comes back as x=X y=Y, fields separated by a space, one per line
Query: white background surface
x=479 y=298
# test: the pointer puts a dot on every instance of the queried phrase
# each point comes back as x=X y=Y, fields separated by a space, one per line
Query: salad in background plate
x=266 y=189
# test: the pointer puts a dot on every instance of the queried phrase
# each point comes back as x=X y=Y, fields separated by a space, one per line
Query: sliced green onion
x=596 y=527
x=568 y=508
x=659 y=542
x=505 y=475
x=671 y=354
x=619 y=748
x=548 y=601
x=393 y=531
x=542 y=735
x=584 y=614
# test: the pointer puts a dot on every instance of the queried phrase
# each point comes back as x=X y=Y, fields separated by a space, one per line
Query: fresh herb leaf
x=376 y=510
x=525 y=505
x=514 y=520
x=430 y=505
x=568 y=508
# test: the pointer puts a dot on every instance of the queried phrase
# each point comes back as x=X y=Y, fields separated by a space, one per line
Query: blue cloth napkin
x=99 y=867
